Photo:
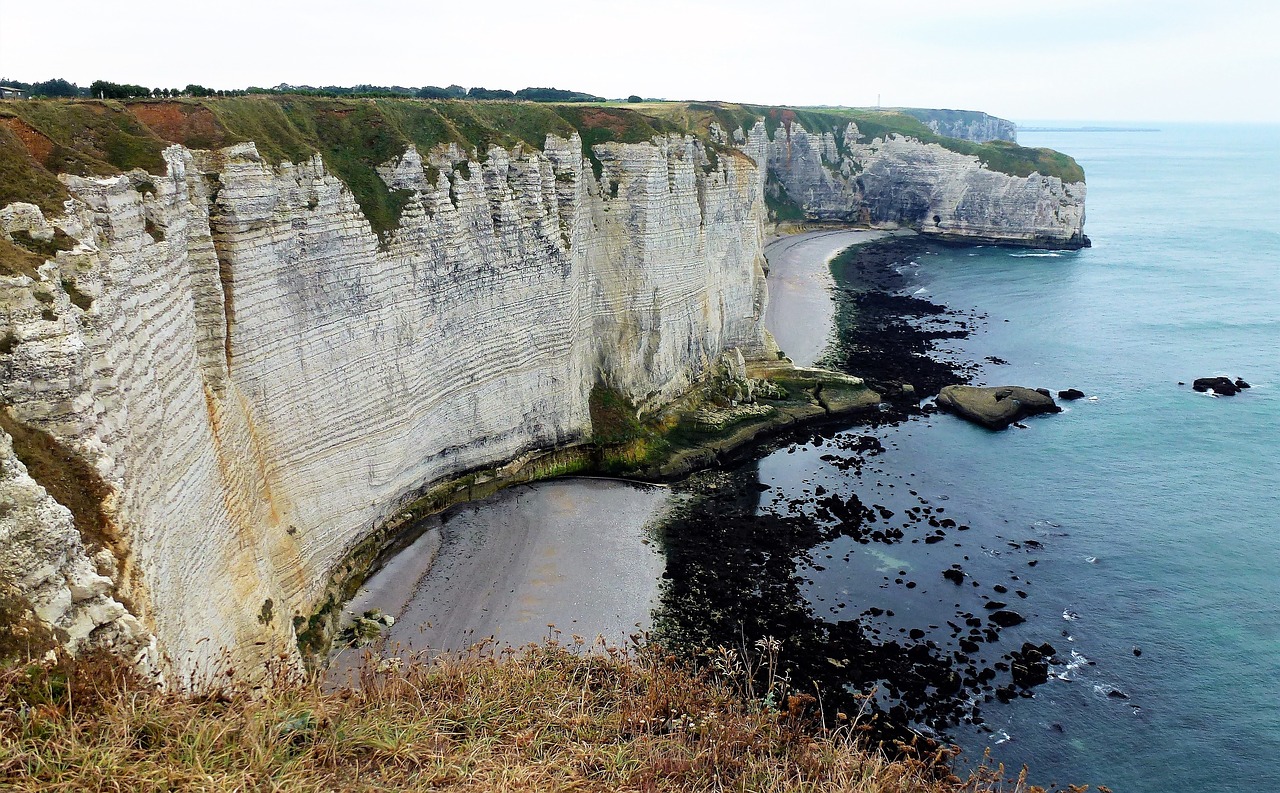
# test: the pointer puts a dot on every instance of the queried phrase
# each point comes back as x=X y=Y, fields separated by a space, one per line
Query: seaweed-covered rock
x=995 y=407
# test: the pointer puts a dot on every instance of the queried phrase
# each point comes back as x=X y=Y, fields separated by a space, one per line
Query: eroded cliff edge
x=869 y=175
x=219 y=376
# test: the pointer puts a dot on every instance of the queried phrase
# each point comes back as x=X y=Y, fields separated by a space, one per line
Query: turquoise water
x=1157 y=506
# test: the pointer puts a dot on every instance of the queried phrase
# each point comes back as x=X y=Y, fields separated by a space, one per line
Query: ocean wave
x=1037 y=255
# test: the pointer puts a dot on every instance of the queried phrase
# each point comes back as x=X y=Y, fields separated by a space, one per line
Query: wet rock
x=995 y=407
x=1007 y=619
x=1240 y=383
x=954 y=575
x=1029 y=666
x=1070 y=394
x=1222 y=386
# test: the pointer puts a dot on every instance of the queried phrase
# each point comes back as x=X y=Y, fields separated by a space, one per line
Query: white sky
x=1140 y=60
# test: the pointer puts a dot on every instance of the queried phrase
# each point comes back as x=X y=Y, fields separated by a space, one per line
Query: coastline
x=800 y=285
x=667 y=447
x=783 y=520
x=897 y=334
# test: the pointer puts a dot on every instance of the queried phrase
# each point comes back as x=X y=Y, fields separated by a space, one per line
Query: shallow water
x=1154 y=506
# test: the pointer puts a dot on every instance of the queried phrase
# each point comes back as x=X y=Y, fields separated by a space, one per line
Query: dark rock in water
x=1137 y=652
x=1044 y=392
x=1240 y=383
x=1071 y=393
x=995 y=407
x=1029 y=667
x=1116 y=693
x=1007 y=619
x=954 y=576
x=1218 y=385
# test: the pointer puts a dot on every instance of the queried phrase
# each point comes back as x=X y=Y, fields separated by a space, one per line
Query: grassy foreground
x=553 y=717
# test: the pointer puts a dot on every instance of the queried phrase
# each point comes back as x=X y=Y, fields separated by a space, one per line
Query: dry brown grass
x=550 y=718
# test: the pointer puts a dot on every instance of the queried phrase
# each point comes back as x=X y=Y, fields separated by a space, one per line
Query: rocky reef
x=239 y=336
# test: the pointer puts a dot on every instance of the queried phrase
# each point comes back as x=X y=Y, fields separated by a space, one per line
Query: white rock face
x=261 y=383
x=966 y=124
x=47 y=563
x=900 y=181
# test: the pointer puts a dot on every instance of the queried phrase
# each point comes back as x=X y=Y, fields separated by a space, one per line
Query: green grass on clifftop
x=1000 y=156
x=39 y=139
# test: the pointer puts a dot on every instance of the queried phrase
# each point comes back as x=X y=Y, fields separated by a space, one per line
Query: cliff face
x=970 y=125
x=259 y=381
x=842 y=175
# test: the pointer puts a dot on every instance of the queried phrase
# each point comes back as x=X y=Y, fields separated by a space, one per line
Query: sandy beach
x=800 y=314
x=570 y=552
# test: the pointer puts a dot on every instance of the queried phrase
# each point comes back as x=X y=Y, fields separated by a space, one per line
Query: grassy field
x=559 y=716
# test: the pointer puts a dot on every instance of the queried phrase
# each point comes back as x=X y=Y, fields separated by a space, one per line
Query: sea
x=1138 y=532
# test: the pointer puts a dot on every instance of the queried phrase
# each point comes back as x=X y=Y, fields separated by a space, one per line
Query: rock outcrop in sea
x=995 y=407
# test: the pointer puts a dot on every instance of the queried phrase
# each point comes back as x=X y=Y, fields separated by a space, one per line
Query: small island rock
x=1071 y=393
x=995 y=407
x=1221 y=386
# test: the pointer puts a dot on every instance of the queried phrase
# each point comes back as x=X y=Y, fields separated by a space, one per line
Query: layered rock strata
x=260 y=381
x=895 y=180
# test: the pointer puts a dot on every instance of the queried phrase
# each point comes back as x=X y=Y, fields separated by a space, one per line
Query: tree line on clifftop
x=104 y=89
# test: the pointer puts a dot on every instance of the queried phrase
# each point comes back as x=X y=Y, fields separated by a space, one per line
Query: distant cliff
x=886 y=169
x=971 y=125
x=238 y=335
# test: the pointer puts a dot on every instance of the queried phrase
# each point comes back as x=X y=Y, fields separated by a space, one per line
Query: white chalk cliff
x=900 y=181
x=260 y=384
